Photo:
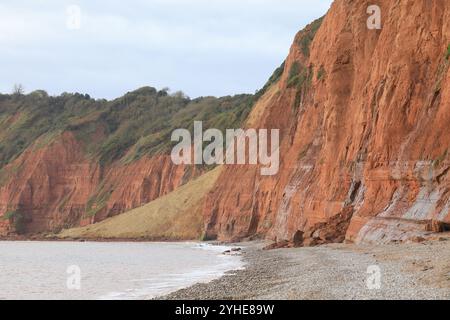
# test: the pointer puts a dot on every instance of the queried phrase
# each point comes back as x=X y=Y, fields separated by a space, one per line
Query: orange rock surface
x=364 y=134
x=364 y=121
x=57 y=187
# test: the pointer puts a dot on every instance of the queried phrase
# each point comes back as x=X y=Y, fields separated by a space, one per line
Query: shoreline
x=329 y=272
x=149 y=269
x=52 y=238
x=336 y=272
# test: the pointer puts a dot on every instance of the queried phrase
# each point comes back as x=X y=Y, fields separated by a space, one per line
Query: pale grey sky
x=203 y=47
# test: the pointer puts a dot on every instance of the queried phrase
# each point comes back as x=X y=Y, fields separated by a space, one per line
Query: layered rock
x=364 y=118
x=70 y=160
x=363 y=114
x=58 y=186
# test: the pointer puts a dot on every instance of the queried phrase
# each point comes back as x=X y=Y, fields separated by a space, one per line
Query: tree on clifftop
x=18 y=89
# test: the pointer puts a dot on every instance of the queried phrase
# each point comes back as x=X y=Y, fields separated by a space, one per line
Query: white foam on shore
x=108 y=270
x=166 y=283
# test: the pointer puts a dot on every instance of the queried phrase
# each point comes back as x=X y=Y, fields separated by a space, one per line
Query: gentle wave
x=111 y=271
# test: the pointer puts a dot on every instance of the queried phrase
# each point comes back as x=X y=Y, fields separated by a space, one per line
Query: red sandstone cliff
x=364 y=118
x=57 y=186
x=71 y=160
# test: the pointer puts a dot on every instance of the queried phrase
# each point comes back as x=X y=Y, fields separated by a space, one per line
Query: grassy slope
x=176 y=216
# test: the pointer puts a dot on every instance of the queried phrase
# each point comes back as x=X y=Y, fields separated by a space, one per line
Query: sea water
x=107 y=270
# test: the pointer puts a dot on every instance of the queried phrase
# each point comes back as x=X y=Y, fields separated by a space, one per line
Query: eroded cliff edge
x=364 y=118
x=71 y=160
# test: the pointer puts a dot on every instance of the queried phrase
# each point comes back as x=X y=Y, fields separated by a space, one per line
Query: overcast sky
x=203 y=47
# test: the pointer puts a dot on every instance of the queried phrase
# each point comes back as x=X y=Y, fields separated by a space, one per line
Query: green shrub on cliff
x=296 y=75
x=306 y=36
x=299 y=75
x=272 y=80
x=447 y=56
x=137 y=124
x=16 y=219
x=321 y=73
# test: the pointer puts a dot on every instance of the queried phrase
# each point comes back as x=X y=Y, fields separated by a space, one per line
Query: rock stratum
x=363 y=117
x=71 y=161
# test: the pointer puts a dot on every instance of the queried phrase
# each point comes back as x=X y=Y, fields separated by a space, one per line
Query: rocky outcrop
x=58 y=186
x=71 y=160
x=364 y=118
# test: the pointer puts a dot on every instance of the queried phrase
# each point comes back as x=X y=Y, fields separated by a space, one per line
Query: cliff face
x=364 y=118
x=176 y=216
x=57 y=186
x=70 y=161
